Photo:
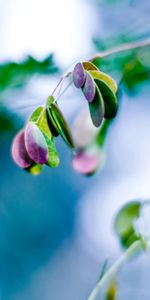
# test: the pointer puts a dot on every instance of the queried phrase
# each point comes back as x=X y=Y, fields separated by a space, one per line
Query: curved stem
x=133 y=249
x=58 y=84
x=122 y=48
x=102 y=133
x=65 y=89
x=60 y=81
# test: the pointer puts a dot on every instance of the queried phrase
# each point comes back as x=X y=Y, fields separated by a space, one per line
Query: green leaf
x=135 y=73
x=35 y=115
x=97 y=109
x=106 y=78
x=104 y=269
x=132 y=66
x=42 y=123
x=39 y=116
x=124 y=223
x=53 y=130
x=110 y=99
x=53 y=158
x=89 y=66
x=60 y=124
x=16 y=75
x=50 y=100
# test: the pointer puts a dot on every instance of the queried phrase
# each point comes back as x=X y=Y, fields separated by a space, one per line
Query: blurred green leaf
x=9 y=121
x=135 y=73
x=124 y=223
x=131 y=67
x=16 y=74
x=104 y=269
x=101 y=135
x=112 y=291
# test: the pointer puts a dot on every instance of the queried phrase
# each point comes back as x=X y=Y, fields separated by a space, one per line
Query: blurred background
x=56 y=230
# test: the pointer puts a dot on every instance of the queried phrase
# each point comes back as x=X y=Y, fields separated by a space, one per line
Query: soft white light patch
x=39 y=27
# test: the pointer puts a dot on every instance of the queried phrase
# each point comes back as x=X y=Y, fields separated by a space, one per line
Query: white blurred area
x=40 y=27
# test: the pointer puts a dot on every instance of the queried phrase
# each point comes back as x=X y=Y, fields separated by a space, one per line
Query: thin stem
x=102 y=133
x=122 y=48
x=60 y=81
x=65 y=89
x=133 y=249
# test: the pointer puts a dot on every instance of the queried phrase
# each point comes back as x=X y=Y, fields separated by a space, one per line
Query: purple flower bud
x=36 y=144
x=79 y=75
x=19 y=152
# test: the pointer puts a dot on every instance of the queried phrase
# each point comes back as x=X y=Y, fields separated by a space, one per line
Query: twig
x=122 y=48
x=133 y=249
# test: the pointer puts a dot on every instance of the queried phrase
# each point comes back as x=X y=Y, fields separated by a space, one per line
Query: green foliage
x=89 y=66
x=9 y=121
x=59 y=123
x=106 y=78
x=101 y=135
x=110 y=99
x=42 y=123
x=104 y=269
x=16 y=74
x=135 y=73
x=39 y=116
x=34 y=146
x=35 y=115
x=97 y=108
x=131 y=67
x=53 y=157
x=124 y=223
